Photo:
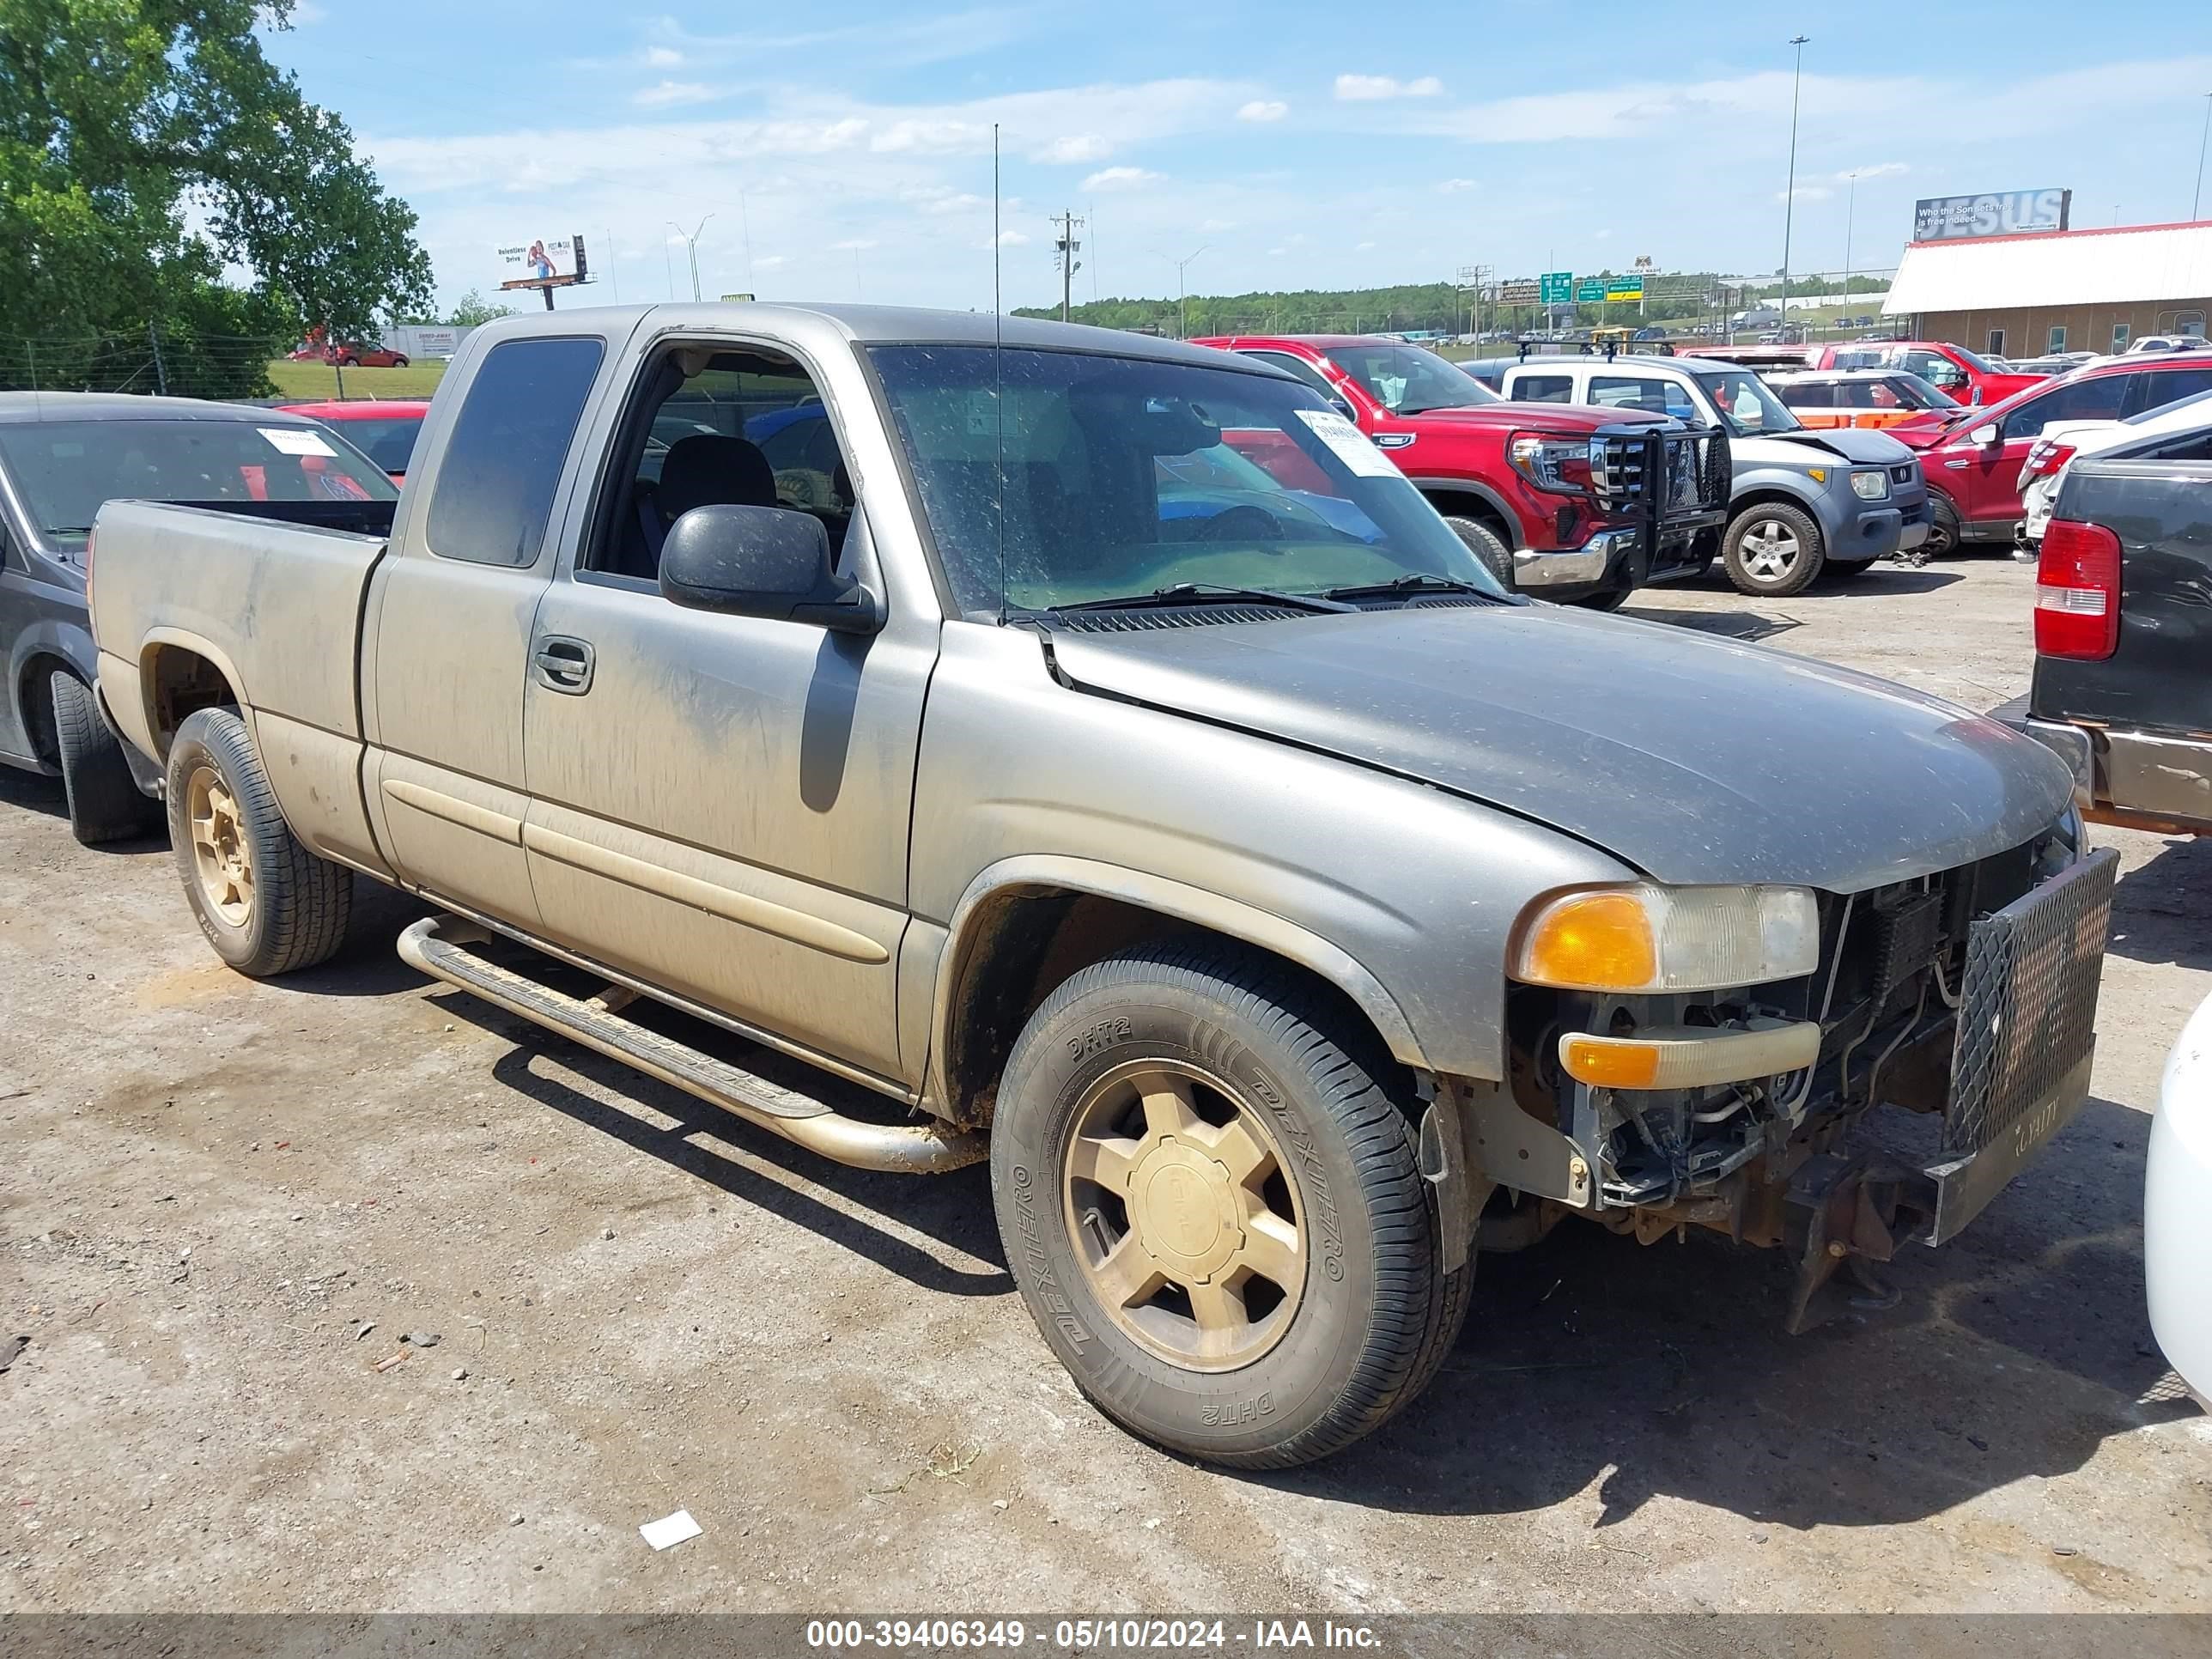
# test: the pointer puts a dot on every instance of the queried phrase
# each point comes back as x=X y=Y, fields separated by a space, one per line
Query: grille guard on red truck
x=1671 y=482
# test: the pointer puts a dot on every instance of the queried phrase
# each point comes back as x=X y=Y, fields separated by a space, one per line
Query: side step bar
x=438 y=945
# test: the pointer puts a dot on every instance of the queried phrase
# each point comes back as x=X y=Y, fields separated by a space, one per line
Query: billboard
x=542 y=262
x=1522 y=293
x=1945 y=218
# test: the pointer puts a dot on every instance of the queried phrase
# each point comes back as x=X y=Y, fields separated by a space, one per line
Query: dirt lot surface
x=223 y=1203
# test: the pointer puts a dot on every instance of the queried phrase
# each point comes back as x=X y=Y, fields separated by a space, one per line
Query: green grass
x=318 y=382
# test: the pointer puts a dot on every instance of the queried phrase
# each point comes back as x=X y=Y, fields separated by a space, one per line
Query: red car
x=1517 y=481
x=349 y=356
x=1947 y=367
x=384 y=431
x=1974 y=461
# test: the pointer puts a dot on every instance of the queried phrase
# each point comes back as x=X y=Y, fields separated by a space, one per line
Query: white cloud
x=1118 y=178
x=942 y=198
x=853 y=244
x=1453 y=186
x=1805 y=193
x=1880 y=170
x=1007 y=239
x=1217 y=224
x=1373 y=89
x=663 y=57
x=669 y=93
x=1073 y=150
x=1361 y=247
x=772 y=262
x=1604 y=236
x=1277 y=252
x=1263 y=109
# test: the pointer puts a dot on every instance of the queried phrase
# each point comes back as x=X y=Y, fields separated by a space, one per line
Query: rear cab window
x=1542 y=389
x=502 y=461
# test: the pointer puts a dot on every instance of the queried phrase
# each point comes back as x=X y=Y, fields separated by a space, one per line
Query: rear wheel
x=1483 y=542
x=1208 y=1189
x=1772 y=550
x=105 y=804
x=265 y=902
x=1603 y=601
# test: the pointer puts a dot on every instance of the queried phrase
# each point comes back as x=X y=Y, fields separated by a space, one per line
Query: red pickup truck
x=1565 y=502
x=1947 y=367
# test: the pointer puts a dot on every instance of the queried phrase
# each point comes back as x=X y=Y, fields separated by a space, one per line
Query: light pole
x=2199 y=194
x=1850 y=208
x=1183 y=330
x=692 y=242
x=1790 y=196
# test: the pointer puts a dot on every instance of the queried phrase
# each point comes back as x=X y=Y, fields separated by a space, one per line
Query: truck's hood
x=1550 y=417
x=1866 y=446
x=1693 y=759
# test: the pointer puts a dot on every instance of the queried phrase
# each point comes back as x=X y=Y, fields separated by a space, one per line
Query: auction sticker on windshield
x=1347 y=443
x=296 y=441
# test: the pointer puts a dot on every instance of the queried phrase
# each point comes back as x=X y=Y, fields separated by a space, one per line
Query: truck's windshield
x=1746 y=407
x=1124 y=476
x=1408 y=380
x=64 y=471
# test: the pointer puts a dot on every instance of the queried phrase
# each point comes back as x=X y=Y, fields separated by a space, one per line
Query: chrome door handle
x=563 y=665
x=1956 y=466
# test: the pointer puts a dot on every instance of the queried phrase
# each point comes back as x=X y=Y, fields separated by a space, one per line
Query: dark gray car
x=62 y=456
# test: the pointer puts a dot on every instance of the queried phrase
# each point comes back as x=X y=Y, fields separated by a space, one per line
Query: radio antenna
x=998 y=380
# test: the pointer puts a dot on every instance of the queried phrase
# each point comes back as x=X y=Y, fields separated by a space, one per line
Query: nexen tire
x=1374 y=1309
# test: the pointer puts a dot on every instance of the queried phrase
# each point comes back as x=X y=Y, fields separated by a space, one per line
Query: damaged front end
x=1969 y=995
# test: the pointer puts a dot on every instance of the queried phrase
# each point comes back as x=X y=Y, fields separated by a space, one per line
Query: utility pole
x=691 y=241
x=161 y=370
x=2201 y=142
x=1182 y=324
x=613 y=280
x=1064 y=246
x=1790 y=196
x=1850 y=209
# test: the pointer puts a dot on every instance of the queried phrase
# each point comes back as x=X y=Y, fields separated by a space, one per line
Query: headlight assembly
x=1646 y=938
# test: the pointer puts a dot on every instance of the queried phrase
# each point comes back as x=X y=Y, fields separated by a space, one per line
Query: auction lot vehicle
x=62 y=454
x=1576 y=505
x=1874 y=399
x=384 y=430
x=2177 y=1223
x=2171 y=431
x=1973 y=462
x=1799 y=501
x=1266 y=892
x=2123 y=685
x=1951 y=368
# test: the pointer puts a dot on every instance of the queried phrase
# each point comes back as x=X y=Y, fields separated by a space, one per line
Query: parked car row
x=1088 y=798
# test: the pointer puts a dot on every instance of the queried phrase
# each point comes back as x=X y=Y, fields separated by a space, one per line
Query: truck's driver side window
x=720 y=425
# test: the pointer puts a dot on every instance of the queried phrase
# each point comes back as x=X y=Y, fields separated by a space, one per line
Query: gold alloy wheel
x=219 y=852
x=1185 y=1215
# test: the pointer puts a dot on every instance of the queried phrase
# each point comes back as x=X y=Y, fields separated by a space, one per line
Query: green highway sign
x=1556 y=288
x=1624 y=288
x=1590 y=291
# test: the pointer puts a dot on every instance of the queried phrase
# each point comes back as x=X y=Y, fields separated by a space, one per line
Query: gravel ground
x=224 y=1204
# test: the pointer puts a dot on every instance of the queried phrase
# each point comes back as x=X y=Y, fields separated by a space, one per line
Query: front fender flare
x=1230 y=917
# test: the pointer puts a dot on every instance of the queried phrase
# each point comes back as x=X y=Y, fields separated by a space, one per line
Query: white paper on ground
x=1348 y=444
x=671 y=1529
x=296 y=441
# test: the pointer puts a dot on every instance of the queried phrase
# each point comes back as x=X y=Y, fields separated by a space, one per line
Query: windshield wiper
x=1414 y=581
x=1205 y=594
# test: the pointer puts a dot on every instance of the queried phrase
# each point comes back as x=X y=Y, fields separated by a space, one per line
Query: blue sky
x=845 y=149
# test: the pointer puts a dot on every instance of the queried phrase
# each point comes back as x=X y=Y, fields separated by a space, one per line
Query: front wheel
x=1943 y=534
x=1207 y=1183
x=1773 y=551
x=266 y=903
x=1483 y=542
x=1611 y=601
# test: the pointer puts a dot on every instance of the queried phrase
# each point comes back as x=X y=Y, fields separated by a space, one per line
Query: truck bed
x=287 y=643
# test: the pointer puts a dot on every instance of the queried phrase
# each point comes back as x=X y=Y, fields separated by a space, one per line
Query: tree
x=148 y=148
x=473 y=309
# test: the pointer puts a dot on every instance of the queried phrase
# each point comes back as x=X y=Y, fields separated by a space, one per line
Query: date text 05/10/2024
x=1085 y=1634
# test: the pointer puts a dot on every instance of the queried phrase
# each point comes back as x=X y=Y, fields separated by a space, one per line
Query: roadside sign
x=1519 y=293
x=1590 y=291
x=1556 y=286
x=1624 y=288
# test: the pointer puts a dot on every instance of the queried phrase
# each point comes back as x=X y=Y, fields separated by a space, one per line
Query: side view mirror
x=1984 y=435
x=767 y=563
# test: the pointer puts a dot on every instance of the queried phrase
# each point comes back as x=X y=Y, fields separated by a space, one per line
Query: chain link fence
x=151 y=358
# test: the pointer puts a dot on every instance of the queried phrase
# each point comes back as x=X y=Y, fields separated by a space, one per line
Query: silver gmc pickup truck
x=1284 y=911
